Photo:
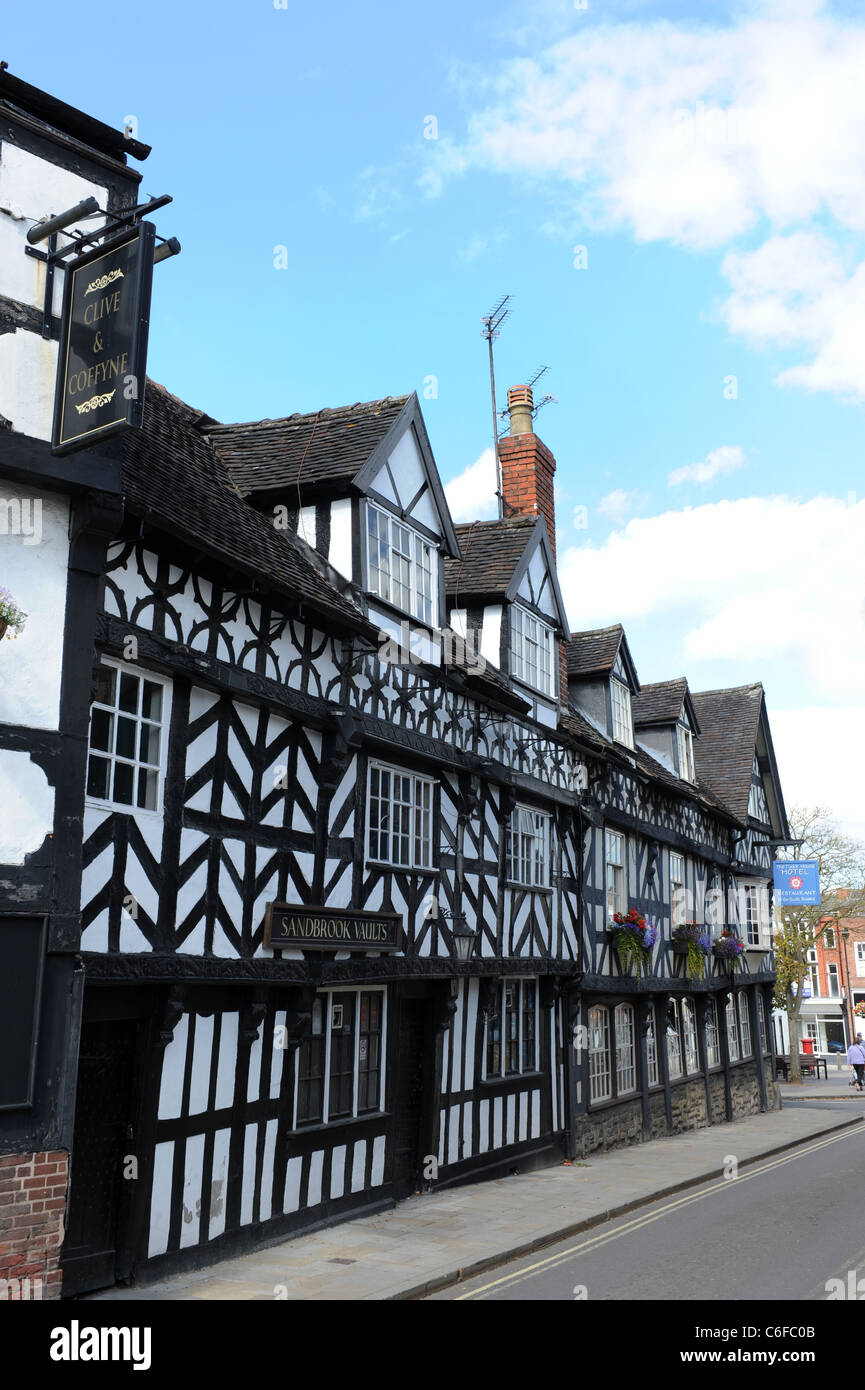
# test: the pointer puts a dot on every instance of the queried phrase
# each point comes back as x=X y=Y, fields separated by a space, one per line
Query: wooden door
x=98 y=1200
x=411 y=1111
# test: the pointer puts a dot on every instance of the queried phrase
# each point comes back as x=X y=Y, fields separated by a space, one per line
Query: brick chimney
x=527 y=465
x=528 y=469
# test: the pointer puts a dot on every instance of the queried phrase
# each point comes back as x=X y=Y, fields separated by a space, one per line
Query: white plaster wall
x=35 y=570
x=339 y=553
x=491 y=635
x=30 y=190
x=26 y=806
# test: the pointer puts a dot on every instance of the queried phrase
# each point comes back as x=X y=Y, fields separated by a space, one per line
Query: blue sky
x=709 y=162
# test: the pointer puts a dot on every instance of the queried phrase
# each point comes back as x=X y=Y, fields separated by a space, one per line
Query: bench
x=809 y=1063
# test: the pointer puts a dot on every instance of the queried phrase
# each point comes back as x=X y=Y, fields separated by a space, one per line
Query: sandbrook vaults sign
x=101 y=365
x=331 y=929
x=796 y=882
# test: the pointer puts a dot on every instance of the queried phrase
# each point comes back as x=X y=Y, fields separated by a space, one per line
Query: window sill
x=400 y=868
x=512 y=883
x=511 y=1077
x=318 y=1126
x=90 y=804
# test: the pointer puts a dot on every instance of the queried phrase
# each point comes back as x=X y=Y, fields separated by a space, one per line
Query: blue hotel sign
x=797 y=883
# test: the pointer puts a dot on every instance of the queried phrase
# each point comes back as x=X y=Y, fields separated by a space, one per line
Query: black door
x=411 y=1121
x=98 y=1197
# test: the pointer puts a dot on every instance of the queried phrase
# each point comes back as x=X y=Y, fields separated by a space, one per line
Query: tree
x=841 y=862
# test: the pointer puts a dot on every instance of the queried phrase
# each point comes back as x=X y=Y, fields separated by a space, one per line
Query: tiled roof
x=660 y=703
x=172 y=477
x=323 y=446
x=491 y=551
x=592 y=652
x=724 y=752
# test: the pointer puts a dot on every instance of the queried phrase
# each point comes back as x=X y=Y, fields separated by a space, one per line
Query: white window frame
x=685 y=750
x=713 y=1039
x=600 y=1069
x=327 y=996
x=829 y=938
x=626 y=1055
x=689 y=1037
x=732 y=1029
x=519 y=983
x=421 y=816
x=618 y=902
x=747 y=1045
x=754 y=915
x=860 y=958
x=163 y=724
x=652 y=1049
x=529 y=847
x=678 y=899
x=832 y=976
x=673 y=1041
x=413 y=549
x=623 y=715
x=533 y=651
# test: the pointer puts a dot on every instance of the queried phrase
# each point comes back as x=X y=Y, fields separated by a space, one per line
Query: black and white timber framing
x=225 y=572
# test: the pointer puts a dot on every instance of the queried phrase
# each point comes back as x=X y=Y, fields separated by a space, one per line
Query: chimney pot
x=520 y=406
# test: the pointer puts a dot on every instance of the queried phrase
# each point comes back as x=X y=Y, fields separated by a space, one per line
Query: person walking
x=856 y=1058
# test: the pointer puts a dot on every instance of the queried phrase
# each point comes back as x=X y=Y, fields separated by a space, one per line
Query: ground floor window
x=626 y=1060
x=732 y=1030
x=600 y=1079
x=651 y=1048
x=339 y=1062
x=713 y=1041
x=674 y=1041
x=512 y=1031
x=761 y=1019
x=689 y=1036
x=745 y=1025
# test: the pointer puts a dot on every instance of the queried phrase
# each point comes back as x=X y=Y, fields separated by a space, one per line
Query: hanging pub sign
x=101 y=365
x=331 y=929
x=796 y=882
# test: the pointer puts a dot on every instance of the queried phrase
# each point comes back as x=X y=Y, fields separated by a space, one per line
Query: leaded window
x=402 y=566
x=400 y=817
x=651 y=1049
x=339 y=1062
x=532 y=651
x=626 y=1060
x=615 y=871
x=529 y=847
x=623 y=724
x=713 y=1041
x=128 y=722
x=600 y=1081
x=674 y=1040
x=744 y=1025
x=732 y=1031
x=512 y=1030
x=689 y=1036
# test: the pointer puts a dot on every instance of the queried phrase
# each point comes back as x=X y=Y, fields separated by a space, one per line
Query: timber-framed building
x=328 y=810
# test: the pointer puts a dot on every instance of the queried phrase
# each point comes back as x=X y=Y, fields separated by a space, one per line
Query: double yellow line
x=637 y=1224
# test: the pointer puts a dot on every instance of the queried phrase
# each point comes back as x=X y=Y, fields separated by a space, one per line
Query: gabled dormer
x=602 y=681
x=360 y=485
x=736 y=759
x=666 y=725
x=503 y=596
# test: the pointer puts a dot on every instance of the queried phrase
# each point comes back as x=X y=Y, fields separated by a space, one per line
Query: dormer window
x=532 y=660
x=623 y=724
x=685 y=747
x=402 y=566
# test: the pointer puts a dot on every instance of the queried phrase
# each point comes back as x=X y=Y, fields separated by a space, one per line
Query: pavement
x=835 y=1085
x=427 y=1242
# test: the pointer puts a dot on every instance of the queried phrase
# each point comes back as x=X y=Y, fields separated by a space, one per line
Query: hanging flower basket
x=729 y=949
x=859 y=1009
x=692 y=941
x=633 y=937
x=12 y=619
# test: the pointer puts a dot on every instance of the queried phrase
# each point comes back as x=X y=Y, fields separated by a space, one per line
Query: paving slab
x=436 y=1239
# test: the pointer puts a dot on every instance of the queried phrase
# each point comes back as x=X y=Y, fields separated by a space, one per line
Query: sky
x=673 y=195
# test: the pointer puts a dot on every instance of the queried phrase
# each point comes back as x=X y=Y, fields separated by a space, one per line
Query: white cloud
x=617 y=505
x=725 y=459
x=832 y=770
x=698 y=134
x=471 y=495
x=754 y=584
